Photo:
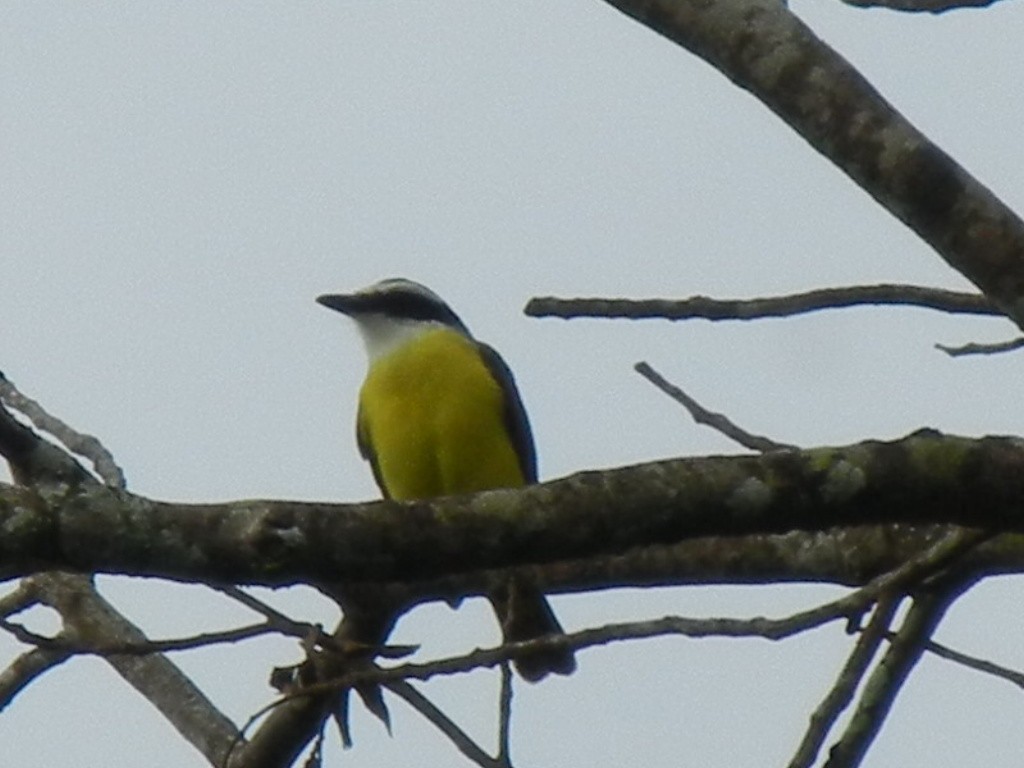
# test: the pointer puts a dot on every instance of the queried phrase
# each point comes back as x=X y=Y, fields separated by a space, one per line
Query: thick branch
x=764 y=48
x=924 y=478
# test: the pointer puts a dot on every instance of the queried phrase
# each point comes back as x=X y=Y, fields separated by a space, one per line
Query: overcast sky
x=179 y=180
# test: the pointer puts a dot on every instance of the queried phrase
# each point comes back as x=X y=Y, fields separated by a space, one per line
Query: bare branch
x=309 y=700
x=53 y=474
x=921 y=6
x=18 y=599
x=885 y=682
x=925 y=478
x=841 y=693
x=84 y=445
x=765 y=49
x=979 y=665
x=141 y=647
x=505 y=717
x=17 y=443
x=26 y=668
x=89 y=617
x=852 y=553
x=33 y=459
x=443 y=723
x=274 y=618
x=707 y=308
x=296 y=717
x=716 y=421
x=271 y=614
x=982 y=349
x=849 y=607
x=936 y=560
x=255 y=752
x=305 y=708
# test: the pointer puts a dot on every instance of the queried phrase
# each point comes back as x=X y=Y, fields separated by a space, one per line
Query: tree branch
x=444 y=724
x=705 y=308
x=26 y=668
x=764 y=48
x=951 y=548
x=841 y=693
x=505 y=718
x=145 y=647
x=296 y=719
x=89 y=618
x=17 y=600
x=701 y=415
x=921 y=6
x=888 y=677
x=982 y=349
x=84 y=445
x=54 y=478
x=33 y=459
x=978 y=665
x=924 y=478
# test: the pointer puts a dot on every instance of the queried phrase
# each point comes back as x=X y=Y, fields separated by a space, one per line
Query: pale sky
x=179 y=180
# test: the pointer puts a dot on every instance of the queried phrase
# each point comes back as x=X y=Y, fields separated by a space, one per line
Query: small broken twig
x=701 y=415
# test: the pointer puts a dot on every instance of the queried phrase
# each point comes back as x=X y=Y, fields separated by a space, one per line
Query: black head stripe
x=406 y=304
x=397 y=299
x=417 y=307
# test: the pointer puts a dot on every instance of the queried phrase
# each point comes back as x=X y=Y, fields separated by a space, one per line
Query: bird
x=439 y=414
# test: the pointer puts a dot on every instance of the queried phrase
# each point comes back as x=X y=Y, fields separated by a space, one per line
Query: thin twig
x=701 y=415
x=982 y=349
x=841 y=693
x=26 y=668
x=978 y=665
x=82 y=444
x=139 y=647
x=774 y=306
x=482 y=658
x=274 y=617
x=887 y=680
x=849 y=607
x=443 y=723
x=505 y=717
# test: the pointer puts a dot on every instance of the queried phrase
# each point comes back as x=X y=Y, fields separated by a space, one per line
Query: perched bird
x=439 y=414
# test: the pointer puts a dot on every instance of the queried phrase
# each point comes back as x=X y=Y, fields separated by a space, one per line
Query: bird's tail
x=370 y=613
x=525 y=614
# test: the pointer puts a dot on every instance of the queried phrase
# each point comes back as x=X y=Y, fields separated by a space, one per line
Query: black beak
x=345 y=303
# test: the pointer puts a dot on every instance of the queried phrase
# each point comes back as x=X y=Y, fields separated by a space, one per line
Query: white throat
x=383 y=335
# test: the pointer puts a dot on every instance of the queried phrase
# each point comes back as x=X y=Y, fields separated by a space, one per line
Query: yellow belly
x=433 y=415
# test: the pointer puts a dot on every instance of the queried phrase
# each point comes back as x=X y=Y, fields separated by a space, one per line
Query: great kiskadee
x=439 y=414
